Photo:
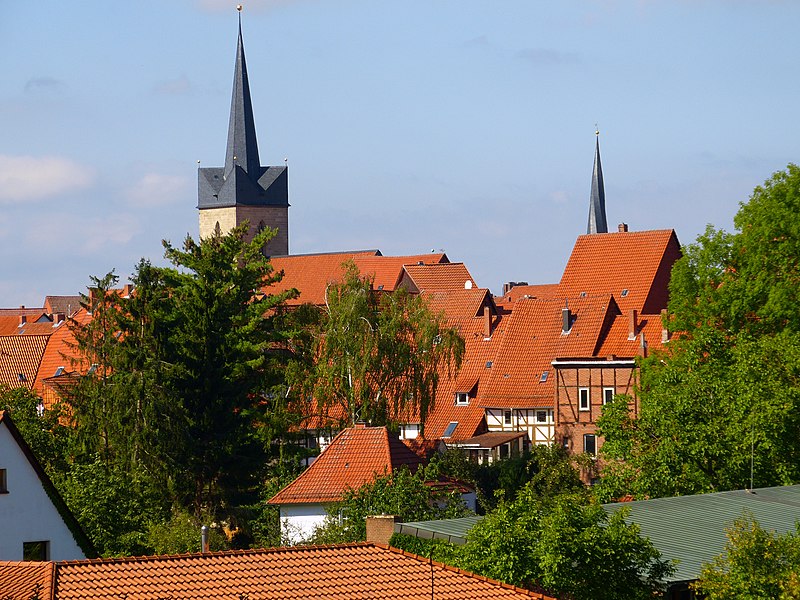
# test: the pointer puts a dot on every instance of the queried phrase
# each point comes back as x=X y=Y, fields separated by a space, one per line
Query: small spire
x=597 y=199
x=242 y=145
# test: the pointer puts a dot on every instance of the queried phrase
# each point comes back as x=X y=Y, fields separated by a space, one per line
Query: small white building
x=35 y=523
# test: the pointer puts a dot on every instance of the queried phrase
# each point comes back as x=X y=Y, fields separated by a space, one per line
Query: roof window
x=543 y=378
x=59 y=372
x=450 y=429
x=488 y=364
x=624 y=293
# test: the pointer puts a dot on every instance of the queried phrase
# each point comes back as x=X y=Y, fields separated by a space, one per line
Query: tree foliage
x=756 y=565
x=374 y=356
x=566 y=545
x=720 y=408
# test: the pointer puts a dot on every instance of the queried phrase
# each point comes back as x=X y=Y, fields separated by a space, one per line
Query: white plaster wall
x=298 y=521
x=26 y=512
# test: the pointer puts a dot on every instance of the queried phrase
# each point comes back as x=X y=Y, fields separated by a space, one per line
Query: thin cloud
x=44 y=85
x=174 y=87
x=26 y=178
x=154 y=189
x=548 y=57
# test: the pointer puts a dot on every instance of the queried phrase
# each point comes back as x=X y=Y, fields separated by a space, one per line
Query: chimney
x=58 y=318
x=380 y=528
x=23 y=319
x=664 y=330
x=126 y=290
x=633 y=323
x=204 y=539
x=642 y=346
x=622 y=228
x=566 y=320
x=487 y=322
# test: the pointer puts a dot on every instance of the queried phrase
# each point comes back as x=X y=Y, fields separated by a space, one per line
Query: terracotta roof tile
x=352 y=459
x=459 y=304
x=543 y=290
x=22 y=580
x=610 y=263
x=438 y=277
x=20 y=357
x=345 y=572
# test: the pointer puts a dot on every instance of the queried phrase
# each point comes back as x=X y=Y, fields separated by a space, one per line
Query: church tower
x=243 y=190
x=597 y=199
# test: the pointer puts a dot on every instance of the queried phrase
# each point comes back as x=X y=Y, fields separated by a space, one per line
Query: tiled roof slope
x=61 y=351
x=25 y=580
x=37 y=324
x=344 y=572
x=608 y=263
x=543 y=290
x=459 y=304
x=21 y=355
x=533 y=338
x=67 y=305
x=352 y=459
x=437 y=277
x=312 y=273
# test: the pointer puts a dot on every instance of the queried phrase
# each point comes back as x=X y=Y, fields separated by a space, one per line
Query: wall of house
x=26 y=511
x=298 y=521
x=573 y=422
x=538 y=422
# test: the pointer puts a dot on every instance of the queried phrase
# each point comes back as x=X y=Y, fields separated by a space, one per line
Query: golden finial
x=596 y=130
x=239 y=7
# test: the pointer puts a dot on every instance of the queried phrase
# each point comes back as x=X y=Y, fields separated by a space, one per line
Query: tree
x=719 y=407
x=375 y=357
x=400 y=493
x=756 y=565
x=566 y=545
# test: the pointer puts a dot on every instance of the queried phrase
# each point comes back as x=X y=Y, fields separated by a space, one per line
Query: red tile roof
x=21 y=355
x=353 y=458
x=459 y=304
x=344 y=572
x=24 y=580
x=437 y=277
x=312 y=273
x=609 y=263
x=544 y=290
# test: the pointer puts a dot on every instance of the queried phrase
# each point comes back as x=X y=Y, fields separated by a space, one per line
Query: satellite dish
x=468 y=285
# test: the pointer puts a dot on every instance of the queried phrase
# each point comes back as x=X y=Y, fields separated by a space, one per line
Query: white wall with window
x=31 y=525
x=538 y=422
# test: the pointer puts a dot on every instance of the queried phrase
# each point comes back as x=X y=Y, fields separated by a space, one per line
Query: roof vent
x=622 y=228
x=566 y=320
x=21 y=377
x=204 y=539
x=468 y=285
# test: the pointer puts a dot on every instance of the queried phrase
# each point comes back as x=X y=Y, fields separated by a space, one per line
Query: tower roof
x=597 y=200
x=242 y=144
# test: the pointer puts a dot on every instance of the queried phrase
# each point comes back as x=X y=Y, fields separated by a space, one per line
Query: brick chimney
x=633 y=323
x=664 y=330
x=23 y=319
x=622 y=228
x=380 y=528
x=487 y=322
x=58 y=318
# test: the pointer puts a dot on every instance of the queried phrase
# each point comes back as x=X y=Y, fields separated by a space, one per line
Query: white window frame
x=462 y=398
x=584 y=393
x=541 y=412
x=606 y=397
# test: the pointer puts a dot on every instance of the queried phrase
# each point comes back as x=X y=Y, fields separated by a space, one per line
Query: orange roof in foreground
x=608 y=263
x=343 y=572
x=352 y=459
x=312 y=273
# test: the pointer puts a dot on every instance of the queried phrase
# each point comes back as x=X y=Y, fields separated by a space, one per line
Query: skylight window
x=59 y=372
x=488 y=364
x=543 y=378
x=624 y=293
x=450 y=429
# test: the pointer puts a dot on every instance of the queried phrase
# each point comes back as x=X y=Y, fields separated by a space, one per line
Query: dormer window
x=462 y=398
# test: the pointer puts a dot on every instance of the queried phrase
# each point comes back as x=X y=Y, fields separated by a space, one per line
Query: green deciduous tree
x=566 y=545
x=719 y=407
x=400 y=493
x=375 y=357
x=756 y=565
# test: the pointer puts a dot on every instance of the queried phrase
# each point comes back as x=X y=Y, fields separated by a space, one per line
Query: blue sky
x=465 y=125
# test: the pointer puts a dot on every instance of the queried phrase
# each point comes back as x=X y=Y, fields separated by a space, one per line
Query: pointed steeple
x=597 y=200
x=242 y=145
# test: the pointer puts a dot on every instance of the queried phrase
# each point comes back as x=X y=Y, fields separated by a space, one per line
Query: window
x=624 y=293
x=488 y=364
x=36 y=550
x=543 y=378
x=541 y=416
x=507 y=417
x=462 y=398
x=608 y=395
x=59 y=372
x=450 y=429
x=3 y=482
x=590 y=444
x=583 y=399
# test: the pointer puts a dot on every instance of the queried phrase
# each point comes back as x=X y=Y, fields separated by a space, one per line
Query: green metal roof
x=688 y=529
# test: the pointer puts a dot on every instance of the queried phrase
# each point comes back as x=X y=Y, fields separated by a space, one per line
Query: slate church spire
x=597 y=200
x=243 y=190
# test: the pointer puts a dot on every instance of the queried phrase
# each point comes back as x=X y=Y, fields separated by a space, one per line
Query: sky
x=466 y=126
